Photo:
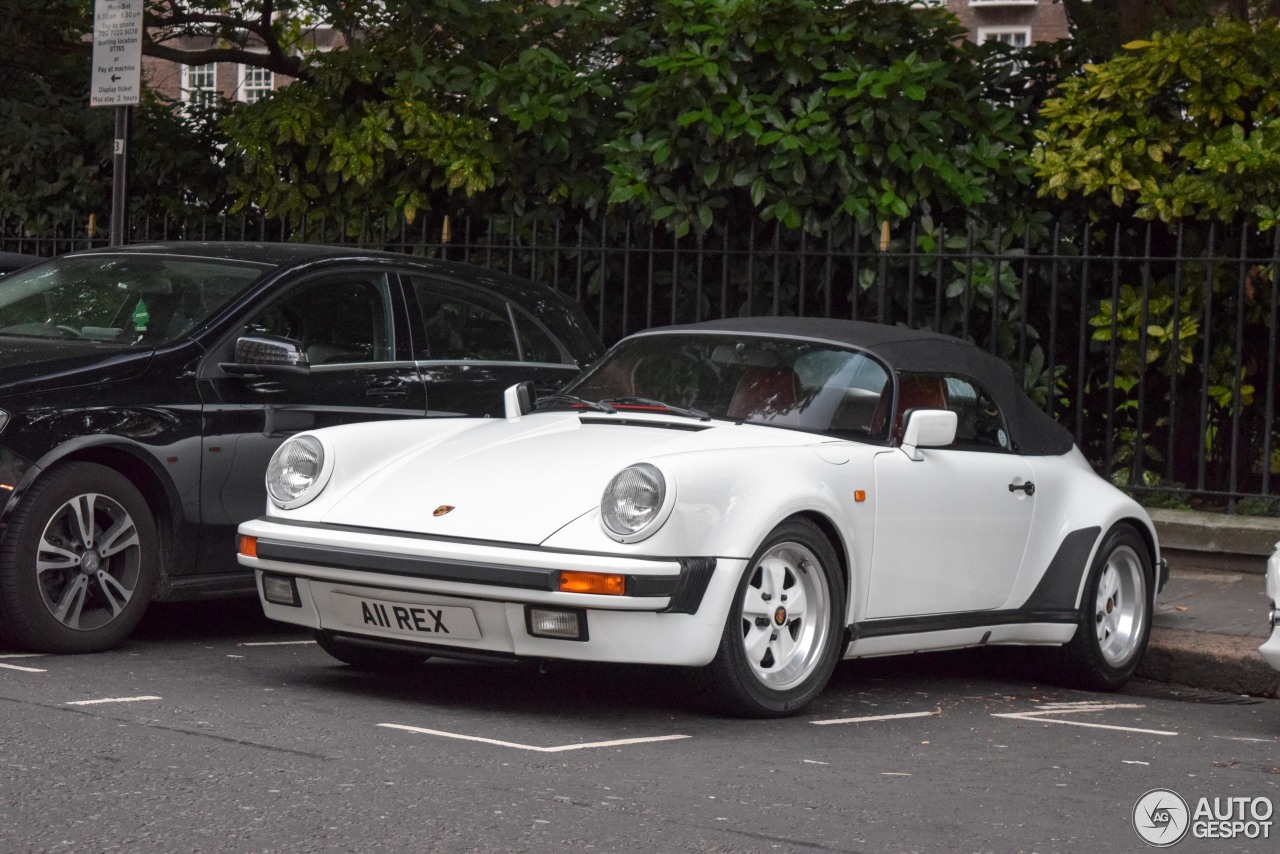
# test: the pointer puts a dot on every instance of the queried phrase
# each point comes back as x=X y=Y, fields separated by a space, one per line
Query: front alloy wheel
x=785 y=616
x=77 y=562
x=782 y=638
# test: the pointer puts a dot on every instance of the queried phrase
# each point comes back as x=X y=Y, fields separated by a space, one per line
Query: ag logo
x=1161 y=817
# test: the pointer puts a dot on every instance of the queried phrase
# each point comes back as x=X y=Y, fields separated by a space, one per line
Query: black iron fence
x=1156 y=347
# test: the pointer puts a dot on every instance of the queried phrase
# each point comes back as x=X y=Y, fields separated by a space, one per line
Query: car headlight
x=298 y=471
x=635 y=503
x=4 y=420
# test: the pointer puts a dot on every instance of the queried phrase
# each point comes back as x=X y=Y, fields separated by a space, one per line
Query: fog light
x=280 y=590
x=556 y=623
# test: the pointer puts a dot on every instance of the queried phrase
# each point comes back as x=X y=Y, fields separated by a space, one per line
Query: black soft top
x=1034 y=433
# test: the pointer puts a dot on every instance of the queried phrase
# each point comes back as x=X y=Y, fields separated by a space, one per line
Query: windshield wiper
x=594 y=406
x=658 y=404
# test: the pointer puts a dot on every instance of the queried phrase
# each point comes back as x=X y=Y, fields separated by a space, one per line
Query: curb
x=1210 y=662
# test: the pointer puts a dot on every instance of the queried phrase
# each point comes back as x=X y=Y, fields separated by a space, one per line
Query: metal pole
x=120 y=178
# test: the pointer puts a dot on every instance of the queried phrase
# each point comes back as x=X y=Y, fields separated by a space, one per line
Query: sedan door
x=353 y=328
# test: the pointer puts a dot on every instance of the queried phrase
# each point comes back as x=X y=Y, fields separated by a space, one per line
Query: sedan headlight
x=4 y=420
x=298 y=471
x=635 y=503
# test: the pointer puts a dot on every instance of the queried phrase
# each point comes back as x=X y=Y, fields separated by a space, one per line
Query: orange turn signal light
x=248 y=546
x=593 y=582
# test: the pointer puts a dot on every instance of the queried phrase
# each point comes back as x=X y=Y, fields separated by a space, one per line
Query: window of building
x=1012 y=36
x=200 y=84
x=255 y=83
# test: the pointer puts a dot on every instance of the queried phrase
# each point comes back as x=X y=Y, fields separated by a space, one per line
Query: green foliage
x=1171 y=344
x=1186 y=124
x=491 y=106
x=57 y=161
x=813 y=113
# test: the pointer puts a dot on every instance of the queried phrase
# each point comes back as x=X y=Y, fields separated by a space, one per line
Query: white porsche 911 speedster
x=751 y=499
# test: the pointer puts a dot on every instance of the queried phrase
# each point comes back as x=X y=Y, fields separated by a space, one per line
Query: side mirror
x=267 y=354
x=928 y=428
x=518 y=400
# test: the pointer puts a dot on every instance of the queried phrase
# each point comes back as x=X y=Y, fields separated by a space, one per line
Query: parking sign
x=117 y=53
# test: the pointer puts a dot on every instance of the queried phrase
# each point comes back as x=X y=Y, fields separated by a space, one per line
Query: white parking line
x=23 y=669
x=559 y=749
x=279 y=643
x=1079 y=708
x=110 y=700
x=21 y=655
x=934 y=713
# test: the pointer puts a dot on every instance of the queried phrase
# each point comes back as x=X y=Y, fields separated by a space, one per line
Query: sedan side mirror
x=267 y=354
x=928 y=428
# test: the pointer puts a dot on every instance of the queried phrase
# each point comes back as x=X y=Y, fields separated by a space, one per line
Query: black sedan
x=144 y=389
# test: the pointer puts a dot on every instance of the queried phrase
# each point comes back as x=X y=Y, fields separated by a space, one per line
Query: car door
x=471 y=345
x=353 y=328
x=951 y=528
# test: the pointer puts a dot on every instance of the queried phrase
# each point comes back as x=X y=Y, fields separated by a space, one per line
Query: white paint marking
x=22 y=655
x=934 y=713
x=815 y=762
x=23 y=669
x=1077 y=708
x=110 y=700
x=1134 y=762
x=560 y=749
x=1236 y=738
x=278 y=643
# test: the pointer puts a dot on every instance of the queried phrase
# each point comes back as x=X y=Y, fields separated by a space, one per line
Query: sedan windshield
x=122 y=299
x=783 y=382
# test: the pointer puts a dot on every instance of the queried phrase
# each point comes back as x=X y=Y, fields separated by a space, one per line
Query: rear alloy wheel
x=78 y=562
x=782 y=638
x=1115 y=618
x=366 y=657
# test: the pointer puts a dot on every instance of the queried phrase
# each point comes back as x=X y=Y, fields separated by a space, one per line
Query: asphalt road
x=214 y=730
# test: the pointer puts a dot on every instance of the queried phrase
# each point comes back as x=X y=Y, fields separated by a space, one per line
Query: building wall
x=1045 y=19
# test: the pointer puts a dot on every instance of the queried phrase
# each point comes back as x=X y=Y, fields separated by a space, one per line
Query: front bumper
x=1271 y=649
x=673 y=611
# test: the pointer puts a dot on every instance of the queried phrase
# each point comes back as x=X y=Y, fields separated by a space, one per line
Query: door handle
x=394 y=389
x=1029 y=488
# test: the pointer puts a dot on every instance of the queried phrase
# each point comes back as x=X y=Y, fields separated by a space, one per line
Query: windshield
x=783 y=382
x=121 y=299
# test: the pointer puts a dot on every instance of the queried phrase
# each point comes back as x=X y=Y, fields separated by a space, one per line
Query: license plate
x=434 y=622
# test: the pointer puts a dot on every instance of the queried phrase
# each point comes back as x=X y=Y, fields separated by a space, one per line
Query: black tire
x=756 y=672
x=79 y=562
x=1115 y=615
x=370 y=658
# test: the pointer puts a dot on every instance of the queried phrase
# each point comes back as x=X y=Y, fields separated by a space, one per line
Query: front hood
x=40 y=364
x=521 y=481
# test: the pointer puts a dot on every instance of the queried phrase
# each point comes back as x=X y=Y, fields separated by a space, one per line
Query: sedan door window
x=338 y=320
x=462 y=328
